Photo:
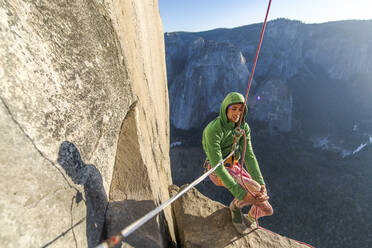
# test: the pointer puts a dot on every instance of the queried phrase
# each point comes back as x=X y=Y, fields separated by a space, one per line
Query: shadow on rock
x=123 y=213
x=95 y=195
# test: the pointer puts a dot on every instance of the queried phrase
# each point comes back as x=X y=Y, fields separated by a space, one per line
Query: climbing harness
x=239 y=132
x=230 y=162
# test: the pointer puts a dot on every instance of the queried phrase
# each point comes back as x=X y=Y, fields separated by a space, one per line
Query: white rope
x=135 y=225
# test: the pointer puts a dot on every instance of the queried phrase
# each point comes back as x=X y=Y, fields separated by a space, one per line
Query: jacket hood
x=231 y=98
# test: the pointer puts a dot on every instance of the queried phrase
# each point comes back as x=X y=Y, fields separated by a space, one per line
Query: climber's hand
x=262 y=195
x=249 y=199
x=262 y=198
x=263 y=189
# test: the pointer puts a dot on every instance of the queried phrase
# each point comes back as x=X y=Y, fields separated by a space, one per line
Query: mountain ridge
x=334 y=57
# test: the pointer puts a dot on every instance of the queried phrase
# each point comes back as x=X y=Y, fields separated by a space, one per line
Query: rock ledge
x=202 y=222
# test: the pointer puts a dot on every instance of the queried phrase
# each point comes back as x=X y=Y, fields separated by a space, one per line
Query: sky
x=201 y=15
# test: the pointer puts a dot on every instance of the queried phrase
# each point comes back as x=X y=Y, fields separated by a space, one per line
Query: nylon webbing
x=135 y=225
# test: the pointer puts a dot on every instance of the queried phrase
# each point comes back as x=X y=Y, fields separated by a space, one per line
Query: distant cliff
x=310 y=112
x=304 y=72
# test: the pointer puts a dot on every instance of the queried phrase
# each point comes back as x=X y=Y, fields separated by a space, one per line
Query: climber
x=218 y=139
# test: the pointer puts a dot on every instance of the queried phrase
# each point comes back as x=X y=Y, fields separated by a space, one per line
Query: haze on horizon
x=201 y=15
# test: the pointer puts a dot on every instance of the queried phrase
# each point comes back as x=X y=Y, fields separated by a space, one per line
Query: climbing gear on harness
x=238 y=132
x=229 y=162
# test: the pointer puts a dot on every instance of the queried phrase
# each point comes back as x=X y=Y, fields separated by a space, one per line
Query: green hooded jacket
x=218 y=139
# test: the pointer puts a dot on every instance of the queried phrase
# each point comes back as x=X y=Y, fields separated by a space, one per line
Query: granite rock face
x=202 y=222
x=75 y=77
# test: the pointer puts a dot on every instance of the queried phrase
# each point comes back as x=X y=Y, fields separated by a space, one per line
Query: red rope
x=241 y=118
x=249 y=85
x=255 y=59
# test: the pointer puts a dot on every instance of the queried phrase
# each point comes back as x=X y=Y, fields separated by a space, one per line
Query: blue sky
x=199 y=15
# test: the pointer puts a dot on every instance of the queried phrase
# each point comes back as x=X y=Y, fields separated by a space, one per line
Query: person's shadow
x=95 y=195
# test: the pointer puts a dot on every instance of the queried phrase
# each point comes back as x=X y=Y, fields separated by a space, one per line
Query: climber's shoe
x=249 y=221
x=237 y=218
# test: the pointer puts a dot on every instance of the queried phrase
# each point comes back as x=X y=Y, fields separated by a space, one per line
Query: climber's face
x=234 y=112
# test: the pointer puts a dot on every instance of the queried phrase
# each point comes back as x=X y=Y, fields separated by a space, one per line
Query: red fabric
x=214 y=178
x=247 y=183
